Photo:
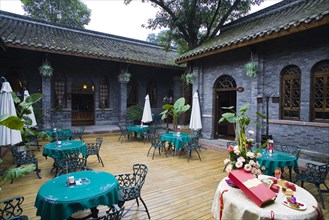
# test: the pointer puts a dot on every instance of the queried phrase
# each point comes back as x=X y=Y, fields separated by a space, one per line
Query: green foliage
x=135 y=113
x=175 y=110
x=11 y=122
x=198 y=21
x=15 y=172
x=251 y=69
x=68 y=12
x=240 y=122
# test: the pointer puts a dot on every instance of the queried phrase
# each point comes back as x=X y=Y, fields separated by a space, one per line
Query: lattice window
x=59 y=91
x=152 y=91
x=225 y=82
x=290 y=85
x=132 y=92
x=104 y=94
x=320 y=92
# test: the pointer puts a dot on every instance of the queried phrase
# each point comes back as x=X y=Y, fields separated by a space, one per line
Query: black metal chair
x=70 y=162
x=196 y=134
x=156 y=143
x=294 y=150
x=315 y=174
x=32 y=140
x=131 y=185
x=59 y=136
x=193 y=145
x=123 y=132
x=78 y=134
x=12 y=208
x=22 y=156
x=94 y=148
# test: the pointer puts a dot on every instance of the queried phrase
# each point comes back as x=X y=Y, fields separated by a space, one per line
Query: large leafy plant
x=175 y=110
x=241 y=154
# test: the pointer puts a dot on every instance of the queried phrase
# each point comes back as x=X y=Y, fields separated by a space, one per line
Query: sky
x=114 y=17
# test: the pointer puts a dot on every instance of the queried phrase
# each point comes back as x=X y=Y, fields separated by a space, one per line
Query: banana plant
x=175 y=110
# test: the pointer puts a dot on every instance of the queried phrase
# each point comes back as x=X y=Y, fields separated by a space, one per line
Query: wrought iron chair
x=12 y=208
x=22 y=156
x=131 y=185
x=193 y=145
x=196 y=134
x=78 y=134
x=147 y=135
x=94 y=148
x=156 y=143
x=59 y=136
x=71 y=162
x=294 y=150
x=123 y=132
x=315 y=174
x=32 y=140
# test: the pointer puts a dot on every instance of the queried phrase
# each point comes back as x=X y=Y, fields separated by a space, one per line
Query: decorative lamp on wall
x=45 y=69
x=84 y=87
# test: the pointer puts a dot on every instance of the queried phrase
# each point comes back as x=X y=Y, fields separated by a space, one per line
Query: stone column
x=123 y=79
x=46 y=101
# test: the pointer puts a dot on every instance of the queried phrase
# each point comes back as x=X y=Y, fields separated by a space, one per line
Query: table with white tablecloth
x=236 y=205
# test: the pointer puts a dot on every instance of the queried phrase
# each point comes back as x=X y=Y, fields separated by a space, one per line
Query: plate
x=302 y=205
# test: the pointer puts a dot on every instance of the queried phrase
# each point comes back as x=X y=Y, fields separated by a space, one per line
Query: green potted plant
x=135 y=113
x=251 y=69
x=175 y=110
x=188 y=78
x=46 y=70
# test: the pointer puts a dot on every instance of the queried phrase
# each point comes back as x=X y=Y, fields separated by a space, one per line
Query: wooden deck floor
x=174 y=188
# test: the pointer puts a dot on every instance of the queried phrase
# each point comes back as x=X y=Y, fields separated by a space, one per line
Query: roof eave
x=271 y=36
x=95 y=56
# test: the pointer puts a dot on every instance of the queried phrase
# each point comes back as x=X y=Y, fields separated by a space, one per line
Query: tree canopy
x=196 y=21
x=69 y=12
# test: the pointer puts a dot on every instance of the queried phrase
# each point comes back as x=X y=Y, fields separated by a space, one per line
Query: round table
x=55 y=200
x=238 y=206
x=52 y=148
x=138 y=129
x=178 y=140
x=278 y=159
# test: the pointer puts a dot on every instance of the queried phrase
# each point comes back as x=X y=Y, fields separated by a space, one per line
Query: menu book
x=252 y=187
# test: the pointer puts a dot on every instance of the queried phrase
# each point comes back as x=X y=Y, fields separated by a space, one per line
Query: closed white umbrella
x=31 y=116
x=147 y=114
x=7 y=106
x=195 y=120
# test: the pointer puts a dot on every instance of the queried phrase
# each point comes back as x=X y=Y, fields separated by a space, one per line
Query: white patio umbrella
x=195 y=120
x=147 y=114
x=31 y=116
x=7 y=106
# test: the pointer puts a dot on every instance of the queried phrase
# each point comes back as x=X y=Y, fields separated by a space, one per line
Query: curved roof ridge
x=27 y=19
x=273 y=9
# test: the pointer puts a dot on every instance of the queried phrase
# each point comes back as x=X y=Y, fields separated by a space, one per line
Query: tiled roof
x=264 y=25
x=27 y=33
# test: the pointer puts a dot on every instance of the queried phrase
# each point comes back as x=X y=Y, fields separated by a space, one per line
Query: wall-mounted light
x=93 y=88
x=84 y=86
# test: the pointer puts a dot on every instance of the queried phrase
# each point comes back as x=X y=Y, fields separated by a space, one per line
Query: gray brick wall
x=304 y=50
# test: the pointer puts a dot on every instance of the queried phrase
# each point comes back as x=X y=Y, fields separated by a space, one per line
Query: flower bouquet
x=241 y=155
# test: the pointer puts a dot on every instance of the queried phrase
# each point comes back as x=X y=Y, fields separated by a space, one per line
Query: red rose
x=230 y=148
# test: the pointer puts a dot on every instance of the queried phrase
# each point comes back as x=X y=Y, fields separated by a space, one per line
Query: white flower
x=239 y=164
x=250 y=140
x=258 y=155
x=247 y=167
x=226 y=161
x=237 y=152
x=257 y=165
x=251 y=162
x=241 y=159
x=228 y=168
x=259 y=172
x=236 y=147
x=251 y=132
x=250 y=154
x=253 y=170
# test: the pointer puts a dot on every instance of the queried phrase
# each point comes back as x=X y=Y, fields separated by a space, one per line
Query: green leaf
x=260 y=115
x=15 y=172
x=244 y=108
x=11 y=122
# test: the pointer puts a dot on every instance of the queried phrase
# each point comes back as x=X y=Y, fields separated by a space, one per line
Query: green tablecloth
x=278 y=159
x=55 y=200
x=138 y=129
x=66 y=132
x=52 y=148
x=177 y=140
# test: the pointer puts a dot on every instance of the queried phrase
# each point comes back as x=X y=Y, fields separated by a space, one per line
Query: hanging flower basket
x=46 y=70
x=251 y=68
x=124 y=77
x=188 y=78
